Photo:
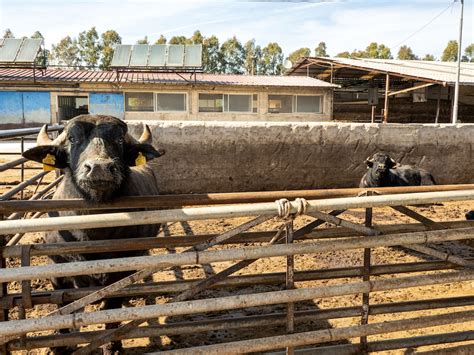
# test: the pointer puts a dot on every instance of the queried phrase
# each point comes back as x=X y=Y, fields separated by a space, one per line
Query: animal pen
x=329 y=231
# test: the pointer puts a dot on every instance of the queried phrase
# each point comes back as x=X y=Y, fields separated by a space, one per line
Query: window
x=139 y=101
x=280 y=103
x=308 y=104
x=72 y=106
x=171 y=102
x=294 y=103
x=228 y=103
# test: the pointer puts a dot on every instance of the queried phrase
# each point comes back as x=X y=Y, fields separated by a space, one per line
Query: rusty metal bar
x=304 y=233
x=418 y=217
x=22 y=185
x=366 y=277
x=206 y=257
x=3 y=290
x=290 y=284
x=171 y=201
x=327 y=335
x=13 y=328
x=11 y=164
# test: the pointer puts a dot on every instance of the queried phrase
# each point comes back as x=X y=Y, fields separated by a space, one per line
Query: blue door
x=19 y=108
x=106 y=104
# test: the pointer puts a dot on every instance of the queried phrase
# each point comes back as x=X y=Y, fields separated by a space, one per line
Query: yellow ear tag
x=48 y=162
x=141 y=160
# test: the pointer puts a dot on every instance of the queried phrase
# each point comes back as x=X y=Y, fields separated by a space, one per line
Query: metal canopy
x=159 y=57
x=19 y=51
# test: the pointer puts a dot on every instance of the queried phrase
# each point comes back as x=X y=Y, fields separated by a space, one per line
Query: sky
x=343 y=25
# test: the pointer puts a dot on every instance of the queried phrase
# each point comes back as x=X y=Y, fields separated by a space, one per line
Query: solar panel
x=139 y=56
x=175 y=56
x=29 y=50
x=121 y=56
x=9 y=49
x=157 y=55
x=193 y=56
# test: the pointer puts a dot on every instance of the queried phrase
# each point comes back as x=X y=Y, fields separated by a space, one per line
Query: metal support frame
x=387 y=89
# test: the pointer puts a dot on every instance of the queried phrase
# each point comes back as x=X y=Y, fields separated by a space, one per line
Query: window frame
x=321 y=98
x=156 y=93
x=226 y=109
x=138 y=92
x=294 y=104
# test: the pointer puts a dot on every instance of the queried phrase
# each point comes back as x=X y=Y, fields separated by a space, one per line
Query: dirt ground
x=445 y=212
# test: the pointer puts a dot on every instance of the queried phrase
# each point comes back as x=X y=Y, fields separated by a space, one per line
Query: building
x=403 y=91
x=29 y=97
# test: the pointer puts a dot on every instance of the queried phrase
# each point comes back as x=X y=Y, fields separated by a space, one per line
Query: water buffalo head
x=97 y=151
x=380 y=164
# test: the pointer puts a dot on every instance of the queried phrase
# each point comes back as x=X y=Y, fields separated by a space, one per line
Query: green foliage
x=43 y=56
x=109 y=39
x=344 y=54
x=429 y=57
x=272 y=59
x=89 y=47
x=301 y=52
x=8 y=34
x=178 y=40
x=379 y=51
x=196 y=38
x=320 y=50
x=405 y=53
x=450 y=53
x=233 y=56
x=469 y=53
x=143 y=41
x=66 y=52
x=211 y=55
x=161 y=40
x=253 y=58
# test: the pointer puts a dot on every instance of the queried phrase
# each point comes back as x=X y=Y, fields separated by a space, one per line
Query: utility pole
x=458 y=69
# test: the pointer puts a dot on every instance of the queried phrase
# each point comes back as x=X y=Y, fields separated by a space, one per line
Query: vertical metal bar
x=22 y=149
x=290 y=284
x=387 y=89
x=458 y=69
x=372 y=116
x=3 y=291
x=366 y=277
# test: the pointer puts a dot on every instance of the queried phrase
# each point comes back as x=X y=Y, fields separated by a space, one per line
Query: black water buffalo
x=384 y=171
x=98 y=158
x=470 y=215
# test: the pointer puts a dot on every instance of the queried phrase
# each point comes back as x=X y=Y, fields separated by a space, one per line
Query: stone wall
x=252 y=156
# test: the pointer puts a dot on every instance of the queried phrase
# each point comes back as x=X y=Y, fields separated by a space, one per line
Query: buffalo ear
x=49 y=155
x=369 y=162
x=392 y=164
x=138 y=154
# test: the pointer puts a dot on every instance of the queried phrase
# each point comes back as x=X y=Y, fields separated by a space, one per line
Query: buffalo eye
x=120 y=140
x=71 y=139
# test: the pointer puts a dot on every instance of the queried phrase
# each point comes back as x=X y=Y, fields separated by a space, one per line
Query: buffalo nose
x=100 y=169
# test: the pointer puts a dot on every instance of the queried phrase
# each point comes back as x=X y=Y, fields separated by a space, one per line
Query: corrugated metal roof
x=444 y=72
x=89 y=76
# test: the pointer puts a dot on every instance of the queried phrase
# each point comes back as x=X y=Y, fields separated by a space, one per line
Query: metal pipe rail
x=247 y=253
x=76 y=320
x=165 y=287
x=274 y=319
x=22 y=132
x=228 y=211
x=172 y=201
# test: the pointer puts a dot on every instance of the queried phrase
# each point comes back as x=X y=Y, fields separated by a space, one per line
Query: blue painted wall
x=37 y=107
x=106 y=104
x=32 y=107
x=11 y=107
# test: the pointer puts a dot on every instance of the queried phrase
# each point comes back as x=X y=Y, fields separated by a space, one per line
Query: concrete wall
x=252 y=156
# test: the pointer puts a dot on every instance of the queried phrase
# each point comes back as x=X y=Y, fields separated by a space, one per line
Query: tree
x=469 y=53
x=301 y=52
x=211 y=55
x=233 y=56
x=178 y=40
x=253 y=57
x=161 y=40
x=272 y=59
x=109 y=39
x=375 y=50
x=320 y=50
x=429 y=57
x=143 y=41
x=42 y=58
x=66 y=52
x=344 y=54
x=196 y=38
x=450 y=53
x=89 y=47
x=8 y=34
x=405 y=53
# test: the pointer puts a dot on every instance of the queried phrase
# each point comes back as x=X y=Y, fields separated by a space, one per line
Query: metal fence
x=328 y=231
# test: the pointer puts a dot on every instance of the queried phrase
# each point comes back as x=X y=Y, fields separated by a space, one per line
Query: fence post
x=3 y=290
x=290 y=283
